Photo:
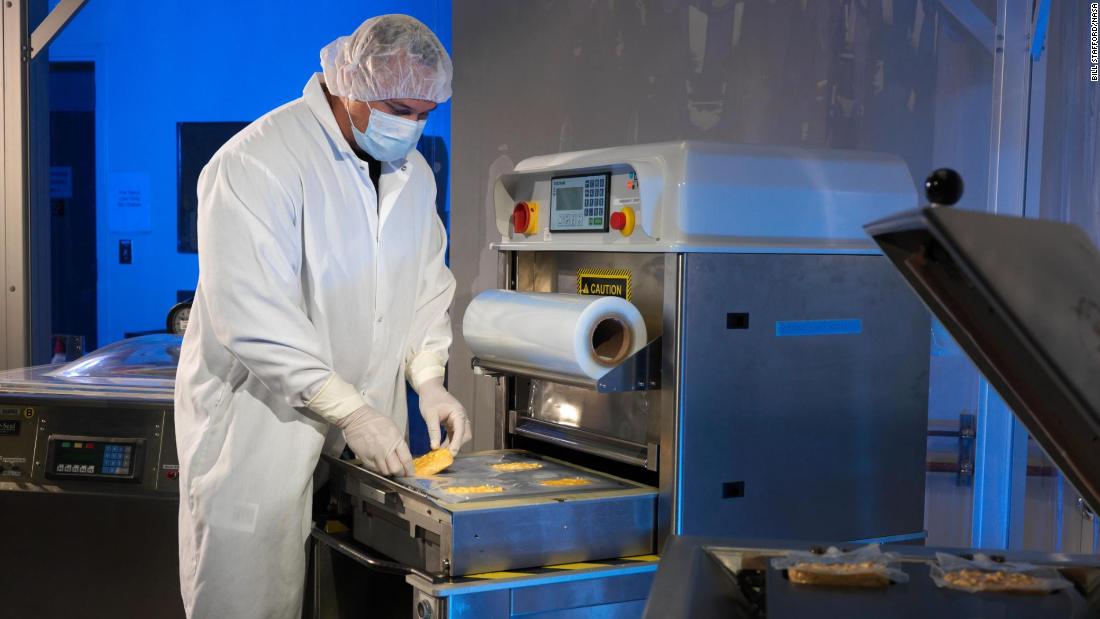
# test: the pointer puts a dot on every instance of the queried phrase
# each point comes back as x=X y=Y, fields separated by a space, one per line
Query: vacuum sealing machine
x=89 y=486
x=781 y=390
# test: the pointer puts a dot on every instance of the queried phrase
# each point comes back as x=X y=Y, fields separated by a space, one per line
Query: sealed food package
x=497 y=475
x=865 y=567
x=515 y=467
x=433 y=462
x=984 y=574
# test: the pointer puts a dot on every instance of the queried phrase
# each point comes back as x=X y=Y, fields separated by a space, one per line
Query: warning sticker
x=604 y=282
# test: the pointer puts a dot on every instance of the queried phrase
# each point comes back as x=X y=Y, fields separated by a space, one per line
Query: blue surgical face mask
x=387 y=137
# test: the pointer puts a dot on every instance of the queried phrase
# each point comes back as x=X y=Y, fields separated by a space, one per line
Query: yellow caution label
x=563 y=567
x=604 y=282
x=575 y=566
x=500 y=575
x=643 y=558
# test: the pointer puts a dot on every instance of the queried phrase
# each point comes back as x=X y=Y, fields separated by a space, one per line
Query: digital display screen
x=76 y=456
x=579 y=203
x=570 y=198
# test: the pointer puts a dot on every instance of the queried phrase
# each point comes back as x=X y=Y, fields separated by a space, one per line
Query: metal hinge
x=967 y=434
x=1086 y=511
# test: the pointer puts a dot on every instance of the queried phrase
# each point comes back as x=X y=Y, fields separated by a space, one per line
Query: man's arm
x=431 y=333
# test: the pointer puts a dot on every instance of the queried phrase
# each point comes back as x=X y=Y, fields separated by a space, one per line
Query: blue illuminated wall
x=160 y=63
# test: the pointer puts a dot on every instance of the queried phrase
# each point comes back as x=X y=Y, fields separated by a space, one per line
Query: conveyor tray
x=417 y=522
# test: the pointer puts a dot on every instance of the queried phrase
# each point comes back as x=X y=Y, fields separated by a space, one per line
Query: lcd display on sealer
x=580 y=203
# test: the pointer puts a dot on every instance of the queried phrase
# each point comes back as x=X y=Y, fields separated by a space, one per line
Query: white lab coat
x=307 y=282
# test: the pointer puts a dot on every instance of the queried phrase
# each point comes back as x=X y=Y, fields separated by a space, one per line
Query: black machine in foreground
x=1022 y=298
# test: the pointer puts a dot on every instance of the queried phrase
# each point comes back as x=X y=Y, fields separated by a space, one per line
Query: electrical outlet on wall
x=125 y=252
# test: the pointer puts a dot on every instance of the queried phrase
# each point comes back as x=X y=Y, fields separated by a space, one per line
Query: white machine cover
x=308 y=283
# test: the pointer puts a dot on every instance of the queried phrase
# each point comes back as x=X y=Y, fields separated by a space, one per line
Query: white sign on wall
x=128 y=200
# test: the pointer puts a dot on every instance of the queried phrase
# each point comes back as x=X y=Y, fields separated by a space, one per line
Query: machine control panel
x=580 y=203
x=102 y=458
x=591 y=207
x=93 y=446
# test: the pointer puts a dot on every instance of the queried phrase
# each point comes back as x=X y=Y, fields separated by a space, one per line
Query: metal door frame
x=1019 y=79
x=25 y=325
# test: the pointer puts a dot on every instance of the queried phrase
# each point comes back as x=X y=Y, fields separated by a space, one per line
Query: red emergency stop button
x=171 y=474
x=525 y=218
x=623 y=221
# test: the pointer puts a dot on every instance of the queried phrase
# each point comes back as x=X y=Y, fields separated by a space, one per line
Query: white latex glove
x=439 y=407
x=377 y=441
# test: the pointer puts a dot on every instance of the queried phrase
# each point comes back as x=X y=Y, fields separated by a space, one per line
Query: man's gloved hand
x=439 y=407
x=377 y=441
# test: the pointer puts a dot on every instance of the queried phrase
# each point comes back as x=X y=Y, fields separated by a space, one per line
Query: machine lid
x=134 y=360
x=140 y=368
x=1022 y=298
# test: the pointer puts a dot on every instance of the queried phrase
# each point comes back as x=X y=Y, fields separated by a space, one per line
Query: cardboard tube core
x=611 y=341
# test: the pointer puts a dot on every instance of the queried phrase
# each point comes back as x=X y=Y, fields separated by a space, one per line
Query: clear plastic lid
x=142 y=367
x=150 y=357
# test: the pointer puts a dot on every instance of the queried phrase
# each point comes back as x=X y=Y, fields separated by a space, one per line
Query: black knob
x=943 y=186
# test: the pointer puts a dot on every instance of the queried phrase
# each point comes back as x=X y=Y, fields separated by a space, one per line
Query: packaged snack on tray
x=865 y=567
x=984 y=574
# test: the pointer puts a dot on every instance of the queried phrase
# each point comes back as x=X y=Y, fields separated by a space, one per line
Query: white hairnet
x=388 y=57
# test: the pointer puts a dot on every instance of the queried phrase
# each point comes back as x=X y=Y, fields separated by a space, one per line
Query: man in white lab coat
x=322 y=289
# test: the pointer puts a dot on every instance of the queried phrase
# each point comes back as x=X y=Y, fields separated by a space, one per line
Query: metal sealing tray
x=417 y=522
x=481 y=469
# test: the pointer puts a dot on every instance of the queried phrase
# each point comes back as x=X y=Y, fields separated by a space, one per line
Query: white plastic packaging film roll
x=576 y=335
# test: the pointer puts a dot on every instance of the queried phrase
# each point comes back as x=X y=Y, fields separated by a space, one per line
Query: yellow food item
x=486 y=489
x=513 y=467
x=433 y=462
x=568 y=481
x=862 y=574
x=978 y=580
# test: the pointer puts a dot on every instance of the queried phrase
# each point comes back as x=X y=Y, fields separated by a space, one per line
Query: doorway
x=73 y=201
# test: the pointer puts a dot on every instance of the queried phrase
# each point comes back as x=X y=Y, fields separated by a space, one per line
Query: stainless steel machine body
x=754 y=429
x=349 y=582
x=89 y=484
